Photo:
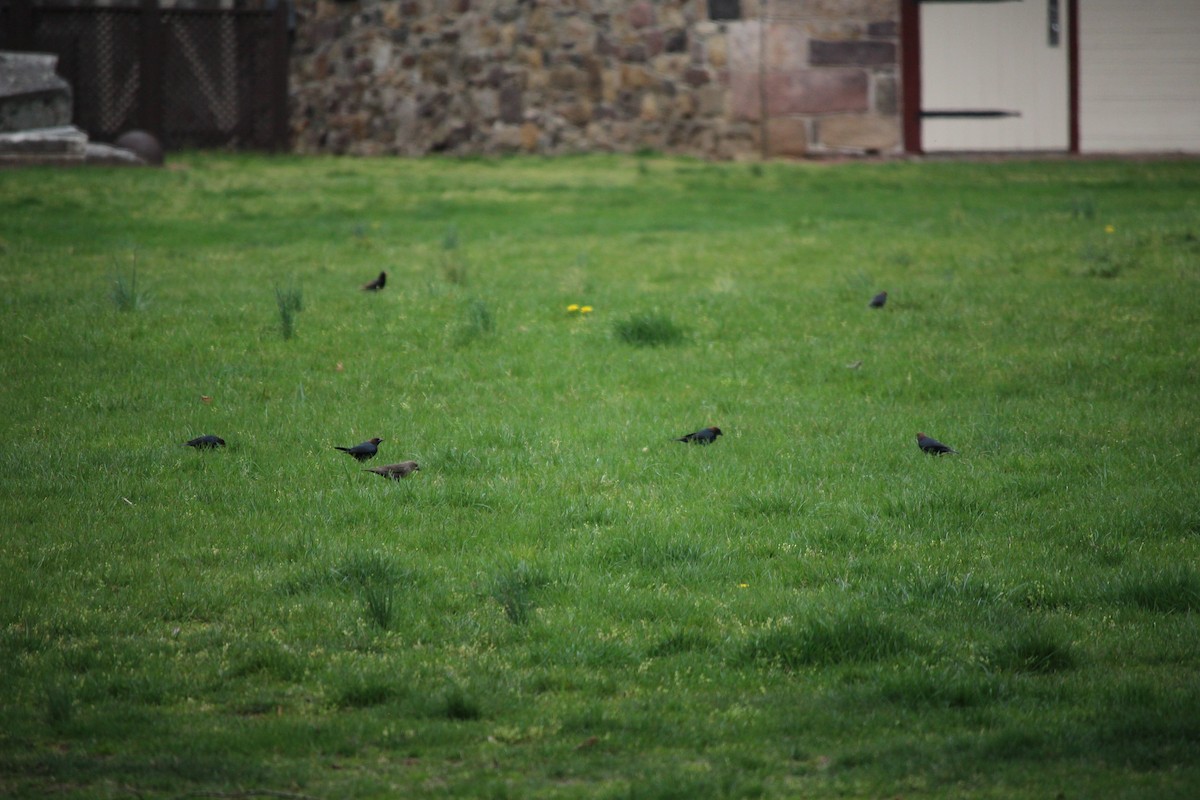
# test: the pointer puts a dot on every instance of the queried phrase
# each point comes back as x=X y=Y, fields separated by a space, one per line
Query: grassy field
x=564 y=602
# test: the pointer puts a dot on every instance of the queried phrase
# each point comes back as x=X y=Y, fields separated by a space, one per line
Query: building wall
x=788 y=77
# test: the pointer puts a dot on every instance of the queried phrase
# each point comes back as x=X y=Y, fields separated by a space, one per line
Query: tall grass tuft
x=477 y=323
x=849 y=638
x=513 y=589
x=1174 y=590
x=454 y=266
x=290 y=302
x=648 y=330
x=1033 y=649
x=59 y=704
x=125 y=294
x=457 y=704
x=379 y=599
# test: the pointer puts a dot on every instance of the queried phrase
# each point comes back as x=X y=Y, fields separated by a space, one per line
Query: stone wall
x=413 y=77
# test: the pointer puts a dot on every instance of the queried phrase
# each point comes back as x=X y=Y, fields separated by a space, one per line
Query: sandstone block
x=787 y=136
x=717 y=49
x=817 y=91
x=785 y=47
x=885 y=94
x=867 y=53
x=883 y=29
x=650 y=110
x=529 y=137
x=866 y=132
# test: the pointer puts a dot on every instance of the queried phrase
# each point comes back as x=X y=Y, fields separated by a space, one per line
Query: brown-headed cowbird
x=377 y=284
x=878 y=300
x=364 y=450
x=930 y=445
x=207 y=442
x=703 y=436
x=395 y=471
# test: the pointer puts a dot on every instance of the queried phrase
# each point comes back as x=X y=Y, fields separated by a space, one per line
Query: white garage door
x=1139 y=75
x=994 y=75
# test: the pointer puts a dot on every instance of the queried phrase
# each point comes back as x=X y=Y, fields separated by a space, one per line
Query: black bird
x=930 y=445
x=878 y=300
x=364 y=450
x=703 y=436
x=395 y=471
x=377 y=284
x=207 y=442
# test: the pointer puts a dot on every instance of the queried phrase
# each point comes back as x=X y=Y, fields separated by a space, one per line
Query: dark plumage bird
x=878 y=300
x=703 y=436
x=930 y=445
x=396 y=471
x=364 y=450
x=377 y=284
x=207 y=442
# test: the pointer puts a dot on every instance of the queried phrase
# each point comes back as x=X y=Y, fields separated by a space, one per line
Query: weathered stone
x=710 y=101
x=578 y=113
x=654 y=42
x=713 y=51
x=649 y=110
x=785 y=47
x=816 y=91
x=635 y=77
x=564 y=78
x=843 y=9
x=862 y=132
x=555 y=76
x=641 y=14
x=745 y=47
x=787 y=136
x=31 y=94
x=883 y=29
x=885 y=94
x=61 y=140
x=529 y=137
x=868 y=53
x=487 y=103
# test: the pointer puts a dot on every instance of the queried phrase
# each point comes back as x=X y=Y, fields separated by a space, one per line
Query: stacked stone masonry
x=411 y=77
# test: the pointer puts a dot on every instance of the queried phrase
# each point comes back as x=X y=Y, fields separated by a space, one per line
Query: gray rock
x=31 y=94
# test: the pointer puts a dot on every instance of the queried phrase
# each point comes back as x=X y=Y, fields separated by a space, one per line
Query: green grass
x=564 y=602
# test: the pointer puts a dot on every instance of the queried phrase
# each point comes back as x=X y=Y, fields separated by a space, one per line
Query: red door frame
x=910 y=75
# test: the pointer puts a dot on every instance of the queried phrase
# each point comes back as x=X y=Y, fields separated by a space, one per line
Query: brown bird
x=364 y=450
x=703 y=436
x=377 y=284
x=207 y=442
x=878 y=300
x=930 y=445
x=395 y=471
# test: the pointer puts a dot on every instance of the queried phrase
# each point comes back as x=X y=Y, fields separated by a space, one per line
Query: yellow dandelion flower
x=1109 y=229
x=585 y=310
x=573 y=307
x=743 y=585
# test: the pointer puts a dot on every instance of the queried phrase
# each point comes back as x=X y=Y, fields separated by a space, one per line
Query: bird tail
x=343 y=449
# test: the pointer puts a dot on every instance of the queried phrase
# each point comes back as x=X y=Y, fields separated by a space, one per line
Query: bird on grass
x=395 y=471
x=878 y=300
x=932 y=446
x=206 y=442
x=363 y=450
x=377 y=284
x=703 y=436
